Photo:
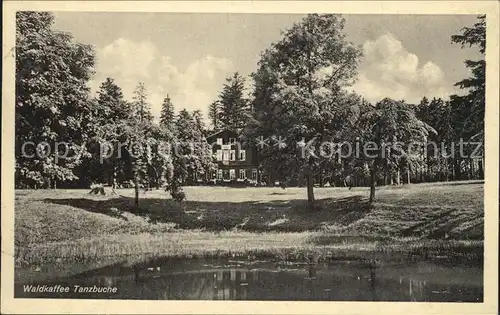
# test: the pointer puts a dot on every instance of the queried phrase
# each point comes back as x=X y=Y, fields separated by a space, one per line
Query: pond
x=234 y=279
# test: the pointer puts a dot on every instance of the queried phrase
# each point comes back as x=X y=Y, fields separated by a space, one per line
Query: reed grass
x=239 y=244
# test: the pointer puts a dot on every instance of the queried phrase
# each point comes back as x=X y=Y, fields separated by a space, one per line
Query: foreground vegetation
x=428 y=219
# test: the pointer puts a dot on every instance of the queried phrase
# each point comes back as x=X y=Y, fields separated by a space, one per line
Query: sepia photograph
x=251 y=156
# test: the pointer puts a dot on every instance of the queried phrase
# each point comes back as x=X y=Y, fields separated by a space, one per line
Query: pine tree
x=142 y=110
x=234 y=108
x=111 y=112
x=141 y=159
x=472 y=122
x=167 y=113
x=111 y=105
x=199 y=122
x=213 y=115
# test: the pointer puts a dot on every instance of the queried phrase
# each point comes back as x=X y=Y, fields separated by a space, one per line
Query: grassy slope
x=73 y=225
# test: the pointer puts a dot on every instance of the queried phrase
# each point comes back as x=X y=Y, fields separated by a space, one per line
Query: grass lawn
x=71 y=225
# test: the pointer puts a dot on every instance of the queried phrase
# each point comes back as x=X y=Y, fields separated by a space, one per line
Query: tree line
x=301 y=93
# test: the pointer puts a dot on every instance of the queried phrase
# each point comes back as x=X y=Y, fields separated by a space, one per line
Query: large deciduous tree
x=52 y=100
x=300 y=92
x=392 y=135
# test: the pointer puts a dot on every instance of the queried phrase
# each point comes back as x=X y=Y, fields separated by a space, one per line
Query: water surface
x=234 y=279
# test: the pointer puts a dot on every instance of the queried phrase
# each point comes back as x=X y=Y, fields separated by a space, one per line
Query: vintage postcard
x=250 y=157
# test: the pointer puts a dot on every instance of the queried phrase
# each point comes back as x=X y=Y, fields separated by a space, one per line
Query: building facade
x=236 y=161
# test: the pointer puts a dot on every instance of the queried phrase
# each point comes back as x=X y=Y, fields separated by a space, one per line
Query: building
x=236 y=161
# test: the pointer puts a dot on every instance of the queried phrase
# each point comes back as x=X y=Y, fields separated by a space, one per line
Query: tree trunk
x=480 y=168
x=458 y=171
x=310 y=190
x=113 y=176
x=453 y=175
x=447 y=170
x=428 y=169
x=373 y=174
x=472 y=171
x=408 y=175
x=136 y=184
x=398 y=177
x=310 y=186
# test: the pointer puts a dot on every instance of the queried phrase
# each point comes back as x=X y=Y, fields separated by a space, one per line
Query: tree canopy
x=53 y=103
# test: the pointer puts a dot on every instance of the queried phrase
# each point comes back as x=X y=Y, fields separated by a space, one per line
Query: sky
x=188 y=55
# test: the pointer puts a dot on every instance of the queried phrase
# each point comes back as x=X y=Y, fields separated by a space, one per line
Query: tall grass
x=239 y=244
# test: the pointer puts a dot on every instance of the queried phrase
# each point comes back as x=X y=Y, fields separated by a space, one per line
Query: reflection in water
x=247 y=280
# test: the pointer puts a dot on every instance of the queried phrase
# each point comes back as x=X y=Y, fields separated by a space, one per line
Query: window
x=219 y=141
x=243 y=155
x=232 y=174
x=243 y=174
x=232 y=140
x=225 y=155
x=233 y=155
x=254 y=174
x=219 y=155
x=219 y=174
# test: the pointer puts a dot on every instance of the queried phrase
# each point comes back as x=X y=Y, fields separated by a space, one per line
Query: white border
x=46 y=306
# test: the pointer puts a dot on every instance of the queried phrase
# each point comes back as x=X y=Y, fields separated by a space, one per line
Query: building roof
x=221 y=131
